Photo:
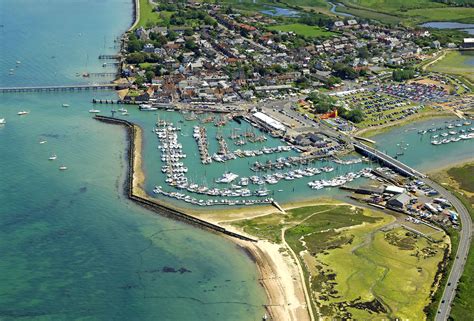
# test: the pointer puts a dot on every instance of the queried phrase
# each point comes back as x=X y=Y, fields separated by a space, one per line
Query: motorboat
x=65 y=105
x=53 y=157
x=62 y=168
x=147 y=107
x=2 y=121
x=227 y=177
x=94 y=111
x=23 y=112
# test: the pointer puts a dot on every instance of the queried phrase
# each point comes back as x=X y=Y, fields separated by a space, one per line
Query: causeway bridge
x=57 y=88
x=387 y=160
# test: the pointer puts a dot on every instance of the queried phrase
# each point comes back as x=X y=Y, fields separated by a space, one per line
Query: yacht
x=53 y=157
x=147 y=107
x=2 y=121
x=94 y=111
x=261 y=192
x=21 y=113
x=227 y=178
x=65 y=105
x=62 y=168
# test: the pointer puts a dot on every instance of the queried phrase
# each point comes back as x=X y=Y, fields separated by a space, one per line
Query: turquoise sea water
x=72 y=247
x=420 y=153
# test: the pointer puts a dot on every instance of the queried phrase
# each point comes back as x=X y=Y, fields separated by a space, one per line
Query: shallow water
x=72 y=246
x=419 y=152
x=467 y=27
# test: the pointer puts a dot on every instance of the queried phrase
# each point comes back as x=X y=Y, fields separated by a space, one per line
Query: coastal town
x=329 y=144
x=216 y=65
x=240 y=81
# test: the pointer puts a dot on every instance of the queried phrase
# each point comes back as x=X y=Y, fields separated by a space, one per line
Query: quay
x=57 y=88
x=155 y=206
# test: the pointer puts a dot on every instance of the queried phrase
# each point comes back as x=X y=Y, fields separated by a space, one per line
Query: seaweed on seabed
x=169 y=269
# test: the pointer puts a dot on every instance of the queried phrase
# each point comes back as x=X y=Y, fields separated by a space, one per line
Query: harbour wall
x=155 y=206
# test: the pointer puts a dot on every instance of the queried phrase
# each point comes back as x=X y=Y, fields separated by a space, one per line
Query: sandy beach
x=280 y=273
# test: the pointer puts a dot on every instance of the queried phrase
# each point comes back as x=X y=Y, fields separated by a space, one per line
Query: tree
x=332 y=81
x=172 y=36
x=355 y=115
x=190 y=44
x=344 y=71
x=403 y=74
x=149 y=75
x=136 y=58
x=322 y=103
x=135 y=45
x=139 y=81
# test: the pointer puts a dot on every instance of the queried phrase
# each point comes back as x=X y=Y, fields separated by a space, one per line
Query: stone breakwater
x=155 y=206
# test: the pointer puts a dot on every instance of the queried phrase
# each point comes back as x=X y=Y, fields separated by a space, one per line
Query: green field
x=456 y=62
x=460 y=181
x=303 y=30
x=410 y=12
x=356 y=270
x=464 y=176
x=395 y=6
x=148 y=17
x=442 y=14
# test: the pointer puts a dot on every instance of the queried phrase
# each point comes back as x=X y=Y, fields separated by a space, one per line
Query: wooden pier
x=109 y=57
x=102 y=74
x=114 y=102
x=292 y=161
x=57 y=88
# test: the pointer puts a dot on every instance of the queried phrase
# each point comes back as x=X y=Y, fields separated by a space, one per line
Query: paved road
x=461 y=254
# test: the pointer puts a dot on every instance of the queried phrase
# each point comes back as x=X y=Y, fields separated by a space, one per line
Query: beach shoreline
x=279 y=274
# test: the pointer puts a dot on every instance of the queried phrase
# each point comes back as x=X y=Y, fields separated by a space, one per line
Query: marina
x=80 y=216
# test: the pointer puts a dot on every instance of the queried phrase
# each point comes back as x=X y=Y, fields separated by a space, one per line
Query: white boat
x=124 y=114
x=62 y=168
x=147 y=107
x=65 y=105
x=42 y=141
x=18 y=62
x=94 y=111
x=227 y=178
x=53 y=157
x=23 y=112
x=2 y=121
x=122 y=110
